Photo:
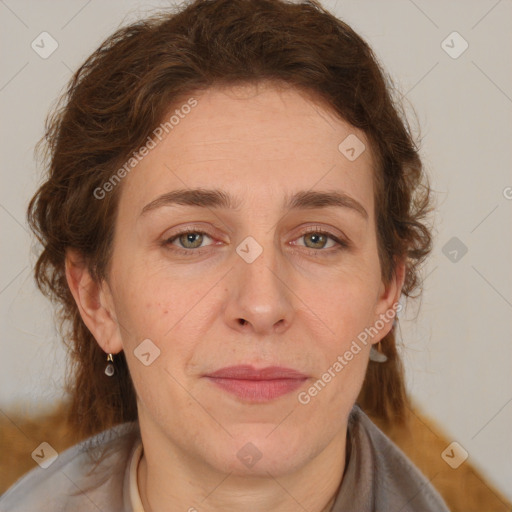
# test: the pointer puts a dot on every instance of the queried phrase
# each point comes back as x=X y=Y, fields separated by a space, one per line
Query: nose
x=260 y=297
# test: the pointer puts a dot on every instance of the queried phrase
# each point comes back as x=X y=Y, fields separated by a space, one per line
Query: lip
x=257 y=385
x=248 y=372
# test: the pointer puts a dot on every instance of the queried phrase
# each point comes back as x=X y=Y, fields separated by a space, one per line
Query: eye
x=189 y=241
x=317 y=239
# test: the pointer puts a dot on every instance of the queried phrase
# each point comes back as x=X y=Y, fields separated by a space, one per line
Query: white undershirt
x=134 y=488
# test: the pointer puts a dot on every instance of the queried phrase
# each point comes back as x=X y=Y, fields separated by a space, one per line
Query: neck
x=168 y=484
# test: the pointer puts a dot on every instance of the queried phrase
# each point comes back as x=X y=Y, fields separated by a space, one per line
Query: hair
x=123 y=91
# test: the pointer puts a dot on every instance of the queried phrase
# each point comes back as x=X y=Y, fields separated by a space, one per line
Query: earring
x=377 y=356
x=109 y=370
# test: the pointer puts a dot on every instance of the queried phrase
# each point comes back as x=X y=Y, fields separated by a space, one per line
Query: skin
x=303 y=301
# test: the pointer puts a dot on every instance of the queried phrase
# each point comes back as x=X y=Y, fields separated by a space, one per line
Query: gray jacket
x=378 y=476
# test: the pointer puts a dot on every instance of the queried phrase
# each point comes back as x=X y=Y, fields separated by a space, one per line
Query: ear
x=388 y=301
x=94 y=301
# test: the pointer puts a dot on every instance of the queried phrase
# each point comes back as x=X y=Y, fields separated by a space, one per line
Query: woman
x=232 y=211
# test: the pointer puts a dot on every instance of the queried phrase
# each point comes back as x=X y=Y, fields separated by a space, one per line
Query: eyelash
x=342 y=244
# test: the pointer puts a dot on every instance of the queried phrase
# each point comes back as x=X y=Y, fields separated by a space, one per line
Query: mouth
x=257 y=385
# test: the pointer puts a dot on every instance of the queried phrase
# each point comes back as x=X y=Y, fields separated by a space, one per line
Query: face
x=262 y=282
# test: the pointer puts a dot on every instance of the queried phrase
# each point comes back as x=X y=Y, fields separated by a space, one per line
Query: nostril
x=242 y=321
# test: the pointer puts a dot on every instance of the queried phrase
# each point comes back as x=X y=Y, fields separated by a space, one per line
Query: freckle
x=166 y=311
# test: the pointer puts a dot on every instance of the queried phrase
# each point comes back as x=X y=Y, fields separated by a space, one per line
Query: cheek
x=343 y=306
x=342 y=356
x=162 y=309
x=339 y=317
x=145 y=299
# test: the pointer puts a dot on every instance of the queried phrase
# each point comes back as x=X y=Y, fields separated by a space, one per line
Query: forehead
x=253 y=140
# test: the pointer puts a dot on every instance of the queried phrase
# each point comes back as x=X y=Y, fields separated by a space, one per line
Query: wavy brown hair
x=119 y=96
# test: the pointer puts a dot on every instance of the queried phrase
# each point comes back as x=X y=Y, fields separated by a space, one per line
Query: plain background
x=458 y=350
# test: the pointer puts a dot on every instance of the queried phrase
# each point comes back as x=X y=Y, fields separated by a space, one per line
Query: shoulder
x=77 y=479
x=398 y=483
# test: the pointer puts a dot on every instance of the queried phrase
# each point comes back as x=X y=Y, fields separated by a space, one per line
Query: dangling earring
x=377 y=356
x=109 y=370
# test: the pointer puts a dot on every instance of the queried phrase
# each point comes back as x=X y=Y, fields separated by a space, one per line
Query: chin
x=258 y=453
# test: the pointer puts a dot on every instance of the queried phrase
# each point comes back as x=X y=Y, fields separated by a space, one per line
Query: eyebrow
x=215 y=198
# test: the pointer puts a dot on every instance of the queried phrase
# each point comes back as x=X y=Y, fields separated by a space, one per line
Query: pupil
x=317 y=237
x=189 y=238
